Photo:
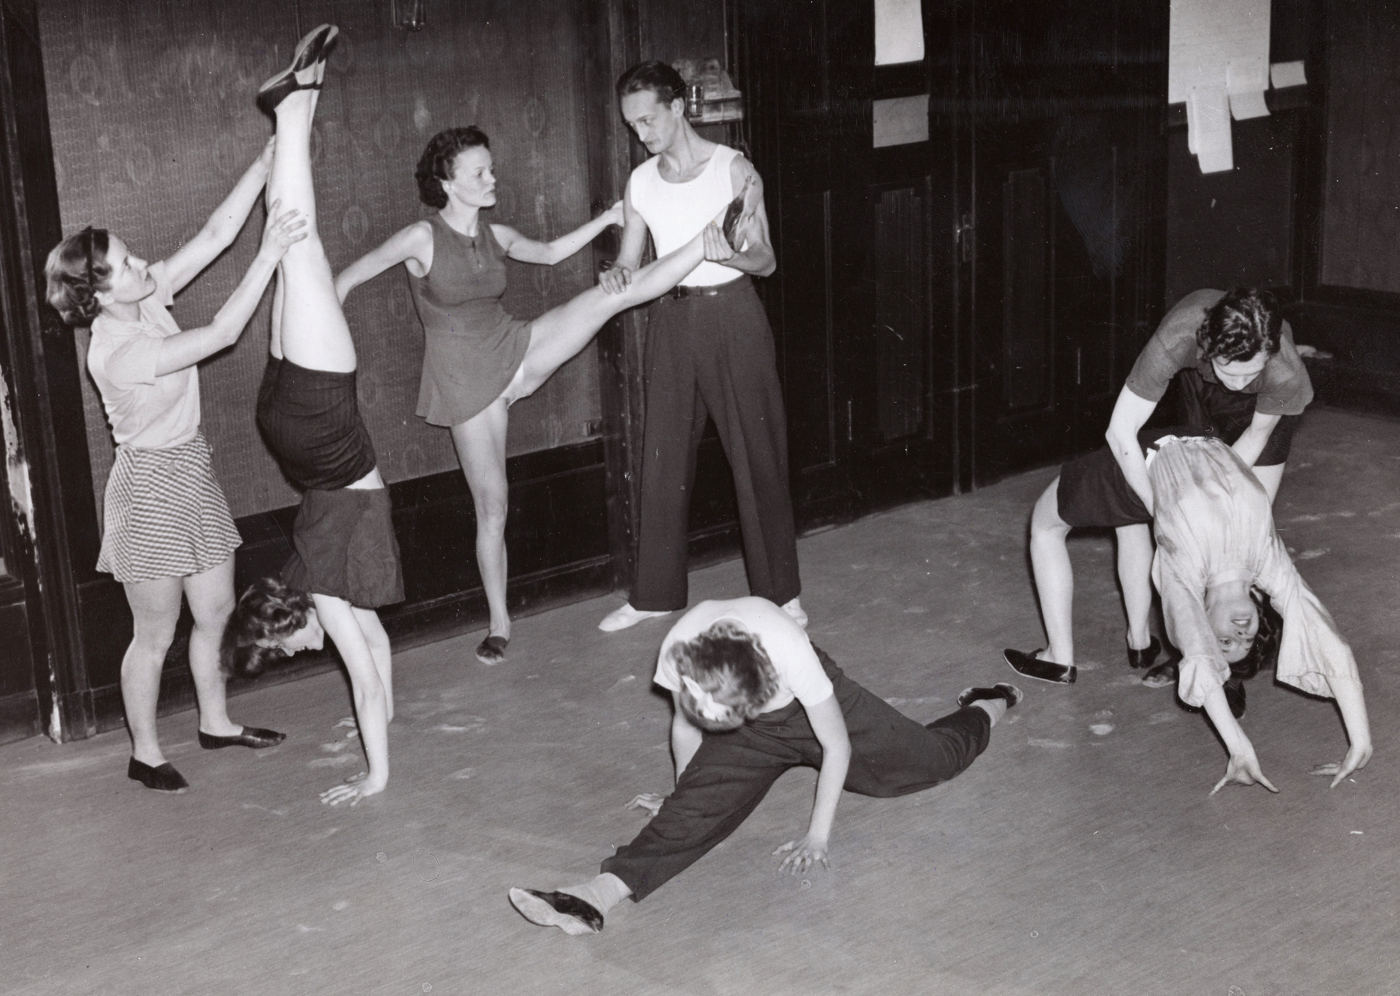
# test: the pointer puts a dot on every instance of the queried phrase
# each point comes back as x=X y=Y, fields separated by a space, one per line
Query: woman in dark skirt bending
x=167 y=532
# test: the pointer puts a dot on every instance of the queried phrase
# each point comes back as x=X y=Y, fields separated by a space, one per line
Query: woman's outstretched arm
x=829 y=727
x=528 y=250
x=1130 y=414
x=1243 y=767
x=187 y=348
x=371 y=703
x=1352 y=704
x=412 y=246
x=223 y=225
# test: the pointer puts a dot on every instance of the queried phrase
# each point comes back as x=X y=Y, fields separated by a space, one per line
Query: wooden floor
x=1080 y=855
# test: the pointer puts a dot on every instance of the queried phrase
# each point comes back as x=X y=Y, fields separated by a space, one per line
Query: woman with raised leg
x=167 y=531
x=478 y=359
x=345 y=561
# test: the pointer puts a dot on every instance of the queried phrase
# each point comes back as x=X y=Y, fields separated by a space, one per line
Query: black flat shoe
x=251 y=736
x=730 y=228
x=557 y=909
x=1234 y=695
x=1146 y=656
x=1033 y=667
x=1005 y=691
x=1163 y=675
x=163 y=778
x=279 y=88
x=314 y=46
x=492 y=650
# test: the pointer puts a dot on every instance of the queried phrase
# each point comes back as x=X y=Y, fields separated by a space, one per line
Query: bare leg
x=1054 y=575
x=371 y=699
x=561 y=332
x=211 y=600
x=313 y=329
x=1135 y=578
x=380 y=652
x=481 y=449
x=155 y=608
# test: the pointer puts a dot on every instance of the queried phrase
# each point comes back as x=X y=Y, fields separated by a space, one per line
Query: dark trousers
x=712 y=357
x=1207 y=406
x=732 y=772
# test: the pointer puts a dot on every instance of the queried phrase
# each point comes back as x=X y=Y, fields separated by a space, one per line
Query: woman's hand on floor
x=649 y=801
x=1355 y=760
x=1243 y=769
x=352 y=790
x=803 y=854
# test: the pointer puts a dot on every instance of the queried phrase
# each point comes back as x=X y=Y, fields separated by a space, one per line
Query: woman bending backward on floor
x=478 y=360
x=1239 y=376
x=167 y=531
x=345 y=560
x=1215 y=540
x=752 y=699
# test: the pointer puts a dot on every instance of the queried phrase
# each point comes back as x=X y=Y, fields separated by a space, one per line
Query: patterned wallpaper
x=151 y=104
x=1361 y=210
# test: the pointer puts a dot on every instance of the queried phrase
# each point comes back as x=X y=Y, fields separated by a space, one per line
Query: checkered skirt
x=164 y=514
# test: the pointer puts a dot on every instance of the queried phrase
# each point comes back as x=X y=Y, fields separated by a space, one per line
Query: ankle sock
x=603 y=893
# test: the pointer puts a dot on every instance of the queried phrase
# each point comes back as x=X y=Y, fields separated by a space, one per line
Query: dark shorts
x=1093 y=492
x=1216 y=410
x=344 y=545
x=311 y=422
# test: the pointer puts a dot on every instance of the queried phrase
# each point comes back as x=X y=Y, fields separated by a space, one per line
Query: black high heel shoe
x=313 y=48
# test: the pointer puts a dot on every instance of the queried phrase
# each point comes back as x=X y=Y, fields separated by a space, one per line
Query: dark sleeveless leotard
x=473 y=347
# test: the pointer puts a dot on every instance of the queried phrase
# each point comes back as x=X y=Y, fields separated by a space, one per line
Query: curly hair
x=729 y=662
x=268 y=610
x=656 y=76
x=1241 y=325
x=440 y=157
x=1263 y=654
x=76 y=270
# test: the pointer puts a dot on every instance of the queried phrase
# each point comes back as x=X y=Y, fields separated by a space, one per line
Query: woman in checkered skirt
x=167 y=531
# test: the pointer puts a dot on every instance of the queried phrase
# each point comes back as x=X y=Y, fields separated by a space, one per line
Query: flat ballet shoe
x=250 y=736
x=1033 y=667
x=625 y=617
x=1145 y=657
x=557 y=909
x=279 y=88
x=730 y=228
x=492 y=650
x=314 y=47
x=162 y=778
x=1003 y=690
x=1163 y=675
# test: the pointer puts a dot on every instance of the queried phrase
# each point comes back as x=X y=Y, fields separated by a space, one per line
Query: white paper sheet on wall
x=900 y=120
x=1218 y=64
x=1287 y=74
x=1208 y=129
x=899 y=32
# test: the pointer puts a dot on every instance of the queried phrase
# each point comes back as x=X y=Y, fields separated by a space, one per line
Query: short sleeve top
x=145 y=410
x=1283 y=386
x=800 y=675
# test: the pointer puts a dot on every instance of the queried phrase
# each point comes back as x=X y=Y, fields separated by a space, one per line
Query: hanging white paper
x=900 y=120
x=899 y=32
x=1208 y=129
x=1287 y=74
x=1206 y=35
x=1245 y=82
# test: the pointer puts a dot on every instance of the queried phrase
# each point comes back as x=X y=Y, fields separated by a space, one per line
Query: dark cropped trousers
x=731 y=772
x=711 y=356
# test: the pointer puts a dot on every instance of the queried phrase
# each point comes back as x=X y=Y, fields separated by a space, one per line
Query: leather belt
x=681 y=291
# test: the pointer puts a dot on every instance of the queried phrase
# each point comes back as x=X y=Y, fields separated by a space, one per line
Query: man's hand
x=614 y=279
x=717 y=248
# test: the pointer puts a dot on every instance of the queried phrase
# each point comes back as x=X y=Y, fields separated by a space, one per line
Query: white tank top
x=676 y=212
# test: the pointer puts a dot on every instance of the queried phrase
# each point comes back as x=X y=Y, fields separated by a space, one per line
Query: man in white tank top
x=709 y=354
